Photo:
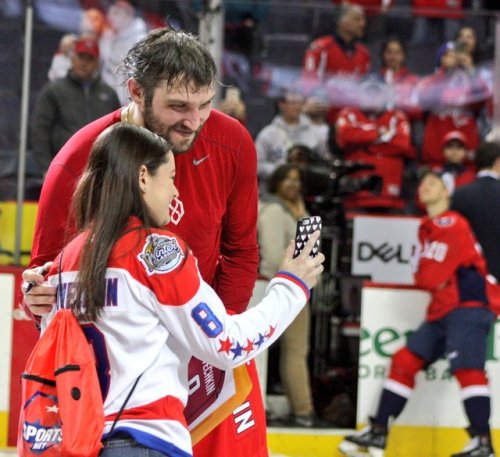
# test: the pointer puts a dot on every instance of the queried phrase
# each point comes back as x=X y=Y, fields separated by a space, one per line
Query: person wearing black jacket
x=479 y=203
x=67 y=104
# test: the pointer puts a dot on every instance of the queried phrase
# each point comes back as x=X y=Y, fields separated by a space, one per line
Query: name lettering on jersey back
x=66 y=294
x=208 y=380
x=243 y=417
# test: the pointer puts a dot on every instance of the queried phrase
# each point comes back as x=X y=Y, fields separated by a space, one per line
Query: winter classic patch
x=160 y=254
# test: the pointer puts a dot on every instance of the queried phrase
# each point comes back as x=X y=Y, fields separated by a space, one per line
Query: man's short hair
x=486 y=155
x=345 y=8
x=168 y=56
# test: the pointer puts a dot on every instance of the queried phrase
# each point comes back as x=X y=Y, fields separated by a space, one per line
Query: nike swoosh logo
x=197 y=162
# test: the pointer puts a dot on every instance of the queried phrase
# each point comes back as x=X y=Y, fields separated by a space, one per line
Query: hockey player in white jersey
x=137 y=291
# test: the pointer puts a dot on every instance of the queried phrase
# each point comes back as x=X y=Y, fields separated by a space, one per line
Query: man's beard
x=152 y=123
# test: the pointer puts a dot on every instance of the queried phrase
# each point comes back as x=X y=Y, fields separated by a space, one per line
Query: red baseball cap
x=87 y=46
x=454 y=135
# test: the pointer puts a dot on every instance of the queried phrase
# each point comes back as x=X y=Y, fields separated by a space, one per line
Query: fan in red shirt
x=377 y=136
x=171 y=79
x=452 y=99
x=462 y=309
x=338 y=59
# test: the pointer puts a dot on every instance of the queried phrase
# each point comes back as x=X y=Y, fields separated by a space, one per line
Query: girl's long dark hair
x=106 y=196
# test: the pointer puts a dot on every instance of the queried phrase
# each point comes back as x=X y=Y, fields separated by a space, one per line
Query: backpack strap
x=117 y=418
x=122 y=408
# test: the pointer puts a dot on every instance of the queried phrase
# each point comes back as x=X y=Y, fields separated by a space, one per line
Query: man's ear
x=135 y=91
x=143 y=178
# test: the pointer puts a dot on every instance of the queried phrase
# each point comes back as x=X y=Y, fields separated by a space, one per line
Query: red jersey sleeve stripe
x=296 y=280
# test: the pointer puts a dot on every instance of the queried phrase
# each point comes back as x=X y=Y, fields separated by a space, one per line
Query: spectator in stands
x=125 y=30
x=233 y=105
x=455 y=155
x=314 y=176
x=452 y=98
x=93 y=23
x=460 y=315
x=61 y=62
x=66 y=105
x=278 y=215
x=338 y=61
x=455 y=170
x=376 y=18
x=395 y=73
x=340 y=52
x=377 y=135
x=479 y=201
x=316 y=109
x=435 y=19
x=300 y=156
x=467 y=46
x=290 y=126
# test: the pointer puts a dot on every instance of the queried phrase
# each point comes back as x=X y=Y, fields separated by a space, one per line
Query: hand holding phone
x=305 y=227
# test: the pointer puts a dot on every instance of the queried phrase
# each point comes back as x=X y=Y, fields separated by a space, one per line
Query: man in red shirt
x=340 y=52
x=463 y=305
x=171 y=83
x=338 y=59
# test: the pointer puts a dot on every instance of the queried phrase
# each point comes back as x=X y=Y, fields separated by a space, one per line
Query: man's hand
x=39 y=297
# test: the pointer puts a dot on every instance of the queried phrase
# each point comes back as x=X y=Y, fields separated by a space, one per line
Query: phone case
x=306 y=226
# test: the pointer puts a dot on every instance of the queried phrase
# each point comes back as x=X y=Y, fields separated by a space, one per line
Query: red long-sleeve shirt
x=219 y=196
x=217 y=183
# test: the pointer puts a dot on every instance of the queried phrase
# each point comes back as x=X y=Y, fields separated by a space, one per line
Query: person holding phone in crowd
x=162 y=311
x=171 y=78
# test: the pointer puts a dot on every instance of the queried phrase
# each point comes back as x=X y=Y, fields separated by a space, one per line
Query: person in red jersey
x=375 y=135
x=340 y=52
x=338 y=61
x=171 y=81
x=464 y=303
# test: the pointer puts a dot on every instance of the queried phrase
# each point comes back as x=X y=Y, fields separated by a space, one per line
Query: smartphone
x=459 y=46
x=305 y=227
x=233 y=94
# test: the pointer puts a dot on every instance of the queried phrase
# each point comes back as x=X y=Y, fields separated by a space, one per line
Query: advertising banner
x=388 y=316
x=382 y=248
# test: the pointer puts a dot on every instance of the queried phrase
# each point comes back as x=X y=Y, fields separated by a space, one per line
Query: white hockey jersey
x=158 y=313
